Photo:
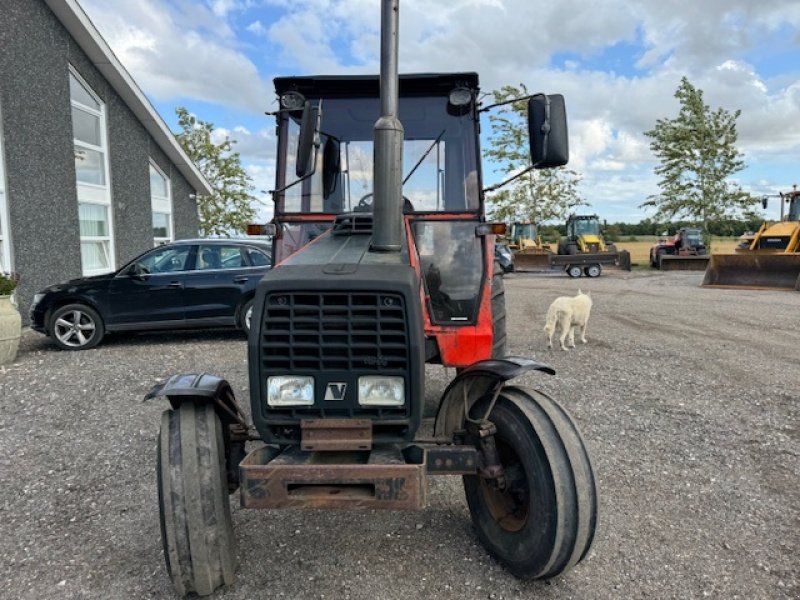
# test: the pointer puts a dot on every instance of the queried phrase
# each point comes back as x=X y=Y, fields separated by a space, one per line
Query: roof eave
x=80 y=27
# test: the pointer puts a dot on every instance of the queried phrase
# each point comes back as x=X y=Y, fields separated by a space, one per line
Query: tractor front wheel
x=540 y=520
x=498 y=313
x=196 y=528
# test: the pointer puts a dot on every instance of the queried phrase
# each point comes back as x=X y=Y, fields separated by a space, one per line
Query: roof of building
x=77 y=22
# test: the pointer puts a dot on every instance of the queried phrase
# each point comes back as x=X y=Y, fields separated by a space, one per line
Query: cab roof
x=420 y=84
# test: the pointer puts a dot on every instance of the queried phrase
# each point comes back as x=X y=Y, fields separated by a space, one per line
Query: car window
x=258 y=258
x=216 y=256
x=162 y=260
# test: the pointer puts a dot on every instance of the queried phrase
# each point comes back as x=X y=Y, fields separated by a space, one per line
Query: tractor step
x=380 y=478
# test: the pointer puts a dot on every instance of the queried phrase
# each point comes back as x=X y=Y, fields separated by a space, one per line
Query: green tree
x=228 y=209
x=539 y=195
x=698 y=154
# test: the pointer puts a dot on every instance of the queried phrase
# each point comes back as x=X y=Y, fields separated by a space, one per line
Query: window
x=162 y=260
x=216 y=256
x=161 y=201
x=258 y=258
x=92 y=178
x=5 y=243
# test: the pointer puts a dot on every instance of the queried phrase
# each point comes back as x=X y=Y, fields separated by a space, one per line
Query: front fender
x=477 y=381
x=202 y=388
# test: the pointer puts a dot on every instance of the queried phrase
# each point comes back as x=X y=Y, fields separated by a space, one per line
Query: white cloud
x=184 y=52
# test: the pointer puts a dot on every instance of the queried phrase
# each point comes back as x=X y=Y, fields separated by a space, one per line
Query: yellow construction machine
x=771 y=261
x=527 y=246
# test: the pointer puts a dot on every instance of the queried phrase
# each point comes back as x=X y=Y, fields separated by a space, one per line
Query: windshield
x=586 y=227
x=524 y=231
x=694 y=237
x=439 y=158
x=794 y=209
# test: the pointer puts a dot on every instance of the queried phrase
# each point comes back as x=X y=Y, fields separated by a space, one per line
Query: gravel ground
x=688 y=398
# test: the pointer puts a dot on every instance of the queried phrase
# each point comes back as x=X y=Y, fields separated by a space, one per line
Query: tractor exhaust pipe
x=387 y=203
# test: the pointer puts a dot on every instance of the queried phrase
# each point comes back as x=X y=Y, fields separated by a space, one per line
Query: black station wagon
x=182 y=285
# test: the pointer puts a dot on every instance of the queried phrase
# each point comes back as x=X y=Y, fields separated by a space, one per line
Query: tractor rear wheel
x=542 y=521
x=196 y=528
x=498 y=313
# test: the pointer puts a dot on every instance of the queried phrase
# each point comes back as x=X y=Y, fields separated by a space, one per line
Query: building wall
x=38 y=146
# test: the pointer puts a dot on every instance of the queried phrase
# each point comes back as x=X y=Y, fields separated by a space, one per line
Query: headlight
x=36 y=299
x=290 y=391
x=375 y=390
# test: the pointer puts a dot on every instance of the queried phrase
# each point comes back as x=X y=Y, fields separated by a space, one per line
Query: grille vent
x=344 y=331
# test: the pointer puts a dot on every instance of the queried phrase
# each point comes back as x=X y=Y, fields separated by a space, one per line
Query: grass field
x=640 y=249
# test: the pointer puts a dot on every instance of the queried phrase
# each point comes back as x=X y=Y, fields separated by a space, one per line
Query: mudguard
x=201 y=387
x=479 y=380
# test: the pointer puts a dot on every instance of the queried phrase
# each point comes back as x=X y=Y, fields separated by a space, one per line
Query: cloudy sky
x=617 y=62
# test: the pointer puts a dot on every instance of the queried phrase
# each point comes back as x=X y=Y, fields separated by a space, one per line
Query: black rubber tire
x=572 y=249
x=547 y=525
x=498 y=313
x=574 y=271
x=242 y=316
x=659 y=253
x=88 y=315
x=196 y=527
x=592 y=271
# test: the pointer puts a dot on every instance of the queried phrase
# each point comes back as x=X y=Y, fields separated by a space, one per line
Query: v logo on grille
x=335 y=391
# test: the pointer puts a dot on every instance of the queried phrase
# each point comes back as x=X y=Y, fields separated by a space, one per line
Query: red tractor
x=686 y=250
x=384 y=262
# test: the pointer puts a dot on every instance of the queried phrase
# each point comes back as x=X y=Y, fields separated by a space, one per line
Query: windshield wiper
x=422 y=158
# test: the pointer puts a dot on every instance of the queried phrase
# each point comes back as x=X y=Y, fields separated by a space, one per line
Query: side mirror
x=547 y=129
x=307 y=140
x=331 y=167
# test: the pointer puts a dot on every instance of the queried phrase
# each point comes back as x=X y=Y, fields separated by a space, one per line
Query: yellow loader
x=771 y=261
x=526 y=244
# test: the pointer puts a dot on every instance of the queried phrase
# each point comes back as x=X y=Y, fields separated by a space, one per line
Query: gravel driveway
x=688 y=399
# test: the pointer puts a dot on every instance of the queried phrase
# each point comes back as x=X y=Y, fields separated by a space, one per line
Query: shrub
x=8 y=282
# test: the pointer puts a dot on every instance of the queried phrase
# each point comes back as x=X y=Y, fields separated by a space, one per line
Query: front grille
x=336 y=331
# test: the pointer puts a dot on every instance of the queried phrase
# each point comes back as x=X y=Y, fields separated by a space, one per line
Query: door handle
x=175 y=284
x=240 y=279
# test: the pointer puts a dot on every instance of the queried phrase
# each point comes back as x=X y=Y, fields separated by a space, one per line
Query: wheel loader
x=384 y=262
x=529 y=250
x=771 y=261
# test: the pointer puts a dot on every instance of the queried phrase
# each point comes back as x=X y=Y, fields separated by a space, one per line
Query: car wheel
x=76 y=327
x=246 y=316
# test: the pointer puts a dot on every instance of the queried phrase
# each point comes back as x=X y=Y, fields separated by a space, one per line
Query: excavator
x=772 y=260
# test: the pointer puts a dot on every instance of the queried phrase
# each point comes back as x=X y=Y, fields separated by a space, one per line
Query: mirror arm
x=496 y=186
x=504 y=102
x=296 y=181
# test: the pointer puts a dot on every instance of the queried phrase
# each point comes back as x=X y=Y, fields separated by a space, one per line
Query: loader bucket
x=754 y=270
x=683 y=263
x=531 y=262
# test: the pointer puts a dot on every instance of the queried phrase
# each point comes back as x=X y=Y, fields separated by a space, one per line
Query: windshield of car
x=694 y=238
x=440 y=170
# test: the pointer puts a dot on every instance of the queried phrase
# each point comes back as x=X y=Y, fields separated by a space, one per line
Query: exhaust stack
x=387 y=203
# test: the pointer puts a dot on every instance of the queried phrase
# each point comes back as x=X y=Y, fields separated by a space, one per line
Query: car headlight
x=36 y=299
x=376 y=390
x=290 y=390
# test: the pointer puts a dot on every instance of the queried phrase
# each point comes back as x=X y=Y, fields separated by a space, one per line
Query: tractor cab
x=583 y=236
x=690 y=240
x=442 y=200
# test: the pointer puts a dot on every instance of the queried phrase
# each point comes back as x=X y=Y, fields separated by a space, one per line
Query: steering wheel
x=365 y=204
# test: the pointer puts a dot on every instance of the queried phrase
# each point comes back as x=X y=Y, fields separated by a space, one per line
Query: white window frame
x=5 y=221
x=101 y=194
x=162 y=205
